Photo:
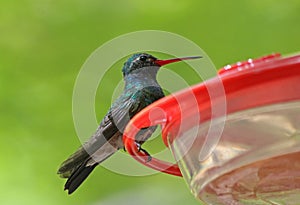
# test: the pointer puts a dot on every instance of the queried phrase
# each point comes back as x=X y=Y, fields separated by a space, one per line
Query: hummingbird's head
x=146 y=63
x=138 y=61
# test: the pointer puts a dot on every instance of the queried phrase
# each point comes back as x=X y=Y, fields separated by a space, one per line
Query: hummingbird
x=140 y=90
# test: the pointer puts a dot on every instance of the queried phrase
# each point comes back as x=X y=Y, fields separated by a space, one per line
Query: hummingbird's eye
x=143 y=58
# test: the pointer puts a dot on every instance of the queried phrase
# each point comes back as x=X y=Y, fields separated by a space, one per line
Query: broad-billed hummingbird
x=141 y=89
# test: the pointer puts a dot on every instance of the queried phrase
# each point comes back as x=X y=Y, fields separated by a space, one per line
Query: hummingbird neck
x=143 y=77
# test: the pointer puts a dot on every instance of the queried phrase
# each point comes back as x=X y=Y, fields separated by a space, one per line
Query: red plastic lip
x=248 y=64
x=268 y=81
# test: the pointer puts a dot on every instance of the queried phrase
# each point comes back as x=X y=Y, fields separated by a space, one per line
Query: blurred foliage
x=42 y=47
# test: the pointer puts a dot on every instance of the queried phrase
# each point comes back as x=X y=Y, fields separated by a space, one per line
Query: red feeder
x=236 y=137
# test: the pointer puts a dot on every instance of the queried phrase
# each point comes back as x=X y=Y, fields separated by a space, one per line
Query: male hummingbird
x=141 y=89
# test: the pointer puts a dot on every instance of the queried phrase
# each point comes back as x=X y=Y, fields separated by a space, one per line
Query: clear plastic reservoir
x=255 y=161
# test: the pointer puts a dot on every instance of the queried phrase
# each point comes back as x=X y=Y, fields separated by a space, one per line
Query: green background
x=43 y=44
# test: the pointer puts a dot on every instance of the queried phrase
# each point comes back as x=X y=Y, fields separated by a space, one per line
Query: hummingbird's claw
x=139 y=146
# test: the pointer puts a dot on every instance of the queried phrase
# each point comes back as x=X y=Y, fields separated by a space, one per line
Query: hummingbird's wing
x=112 y=125
x=105 y=142
x=105 y=131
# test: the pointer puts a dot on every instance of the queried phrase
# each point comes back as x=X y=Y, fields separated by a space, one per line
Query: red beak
x=173 y=60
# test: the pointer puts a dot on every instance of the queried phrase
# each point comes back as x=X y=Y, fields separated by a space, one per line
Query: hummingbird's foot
x=139 y=146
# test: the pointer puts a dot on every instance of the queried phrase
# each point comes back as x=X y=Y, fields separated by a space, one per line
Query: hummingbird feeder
x=235 y=137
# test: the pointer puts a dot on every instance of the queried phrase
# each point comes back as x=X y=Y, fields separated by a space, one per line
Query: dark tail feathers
x=78 y=176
